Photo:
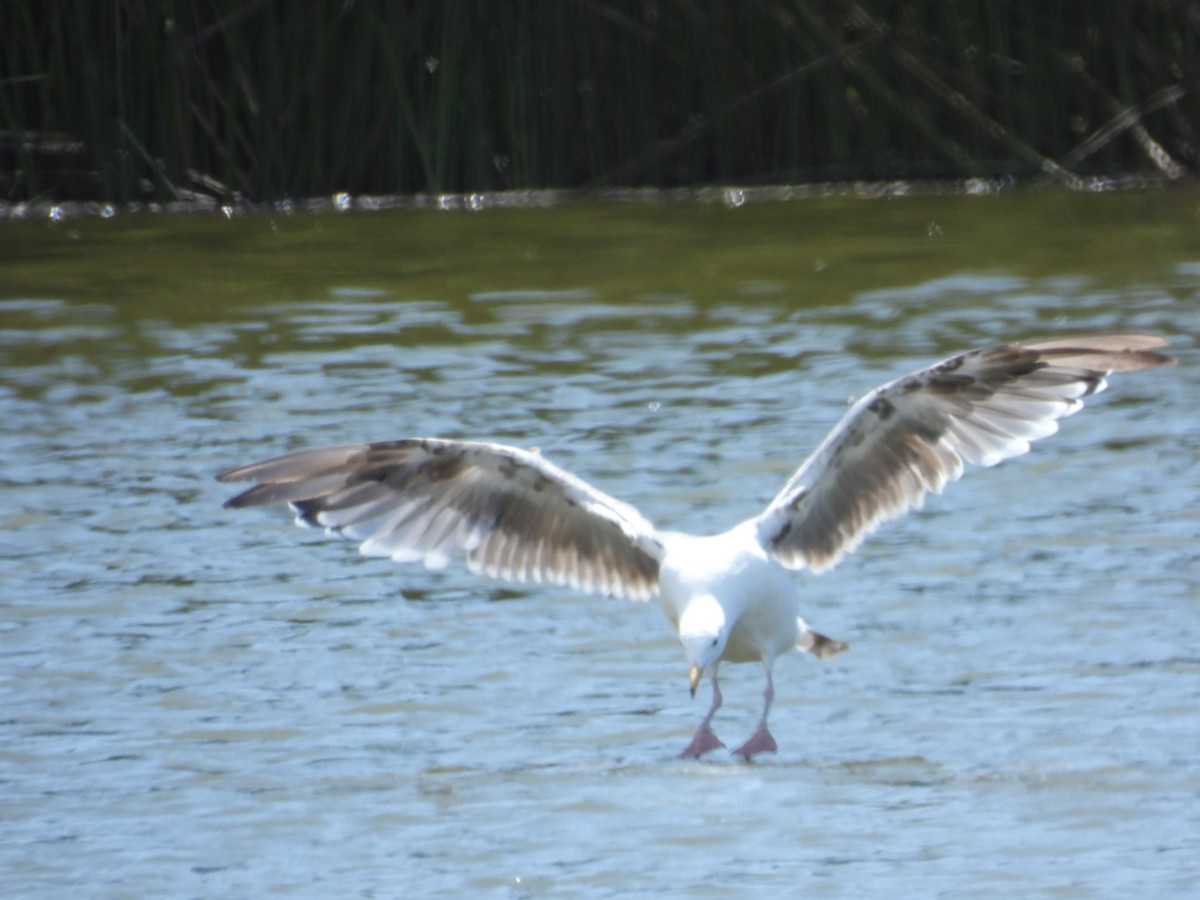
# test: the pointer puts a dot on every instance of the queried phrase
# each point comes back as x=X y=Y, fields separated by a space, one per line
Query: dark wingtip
x=1107 y=352
x=225 y=476
x=236 y=502
x=258 y=495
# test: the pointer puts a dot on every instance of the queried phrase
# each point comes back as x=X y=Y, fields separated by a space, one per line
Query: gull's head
x=703 y=634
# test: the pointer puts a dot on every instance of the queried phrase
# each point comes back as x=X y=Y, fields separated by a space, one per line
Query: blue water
x=196 y=702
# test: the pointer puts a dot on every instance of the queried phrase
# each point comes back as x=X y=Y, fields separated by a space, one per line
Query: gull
x=730 y=597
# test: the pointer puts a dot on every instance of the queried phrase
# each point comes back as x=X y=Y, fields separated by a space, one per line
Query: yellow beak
x=694 y=676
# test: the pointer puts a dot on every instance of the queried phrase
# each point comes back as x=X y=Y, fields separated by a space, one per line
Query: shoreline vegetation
x=242 y=104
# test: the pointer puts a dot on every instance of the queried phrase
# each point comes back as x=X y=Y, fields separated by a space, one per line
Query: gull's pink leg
x=761 y=741
x=705 y=740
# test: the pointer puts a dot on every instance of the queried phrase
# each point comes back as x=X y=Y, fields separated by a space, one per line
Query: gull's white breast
x=757 y=594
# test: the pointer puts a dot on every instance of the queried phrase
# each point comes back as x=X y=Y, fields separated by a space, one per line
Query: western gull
x=516 y=516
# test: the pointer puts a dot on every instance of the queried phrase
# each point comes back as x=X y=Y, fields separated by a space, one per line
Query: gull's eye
x=714 y=643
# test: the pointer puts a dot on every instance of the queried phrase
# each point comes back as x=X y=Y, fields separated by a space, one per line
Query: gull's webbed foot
x=760 y=742
x=702 y=743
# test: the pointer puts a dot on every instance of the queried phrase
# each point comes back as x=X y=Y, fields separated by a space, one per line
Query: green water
x=818 y=251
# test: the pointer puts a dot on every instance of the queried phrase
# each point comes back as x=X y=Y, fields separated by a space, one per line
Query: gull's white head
x=703 y=632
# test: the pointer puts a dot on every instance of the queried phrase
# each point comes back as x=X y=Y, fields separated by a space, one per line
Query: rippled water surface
x=201 y=703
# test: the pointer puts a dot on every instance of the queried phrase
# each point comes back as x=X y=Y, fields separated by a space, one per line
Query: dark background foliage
x=268 y=99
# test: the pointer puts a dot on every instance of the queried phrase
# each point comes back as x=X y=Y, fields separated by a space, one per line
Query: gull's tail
x=820 y=646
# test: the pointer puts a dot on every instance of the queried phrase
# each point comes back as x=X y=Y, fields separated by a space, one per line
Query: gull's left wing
x=914 y=434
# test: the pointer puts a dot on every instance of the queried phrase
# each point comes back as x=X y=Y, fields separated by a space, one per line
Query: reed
x=268 y=99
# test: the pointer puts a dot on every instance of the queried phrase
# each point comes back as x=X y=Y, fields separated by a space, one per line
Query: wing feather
x=915 y=435
x=513 y=515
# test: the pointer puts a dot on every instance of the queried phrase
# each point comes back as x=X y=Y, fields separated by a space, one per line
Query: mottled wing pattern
x=915 y=434
x=514 y=515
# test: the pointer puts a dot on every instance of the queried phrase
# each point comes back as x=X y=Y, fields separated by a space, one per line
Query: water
x=197 y=702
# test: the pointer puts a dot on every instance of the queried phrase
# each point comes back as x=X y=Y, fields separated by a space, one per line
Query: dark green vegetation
x=268 y=99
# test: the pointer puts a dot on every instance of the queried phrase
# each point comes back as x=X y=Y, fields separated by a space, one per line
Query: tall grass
x=270 y=99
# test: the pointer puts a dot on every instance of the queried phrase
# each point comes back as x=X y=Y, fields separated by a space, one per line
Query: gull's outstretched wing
x=914 y=434
x=514 y=515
